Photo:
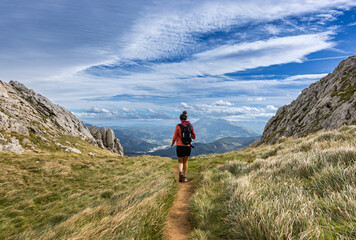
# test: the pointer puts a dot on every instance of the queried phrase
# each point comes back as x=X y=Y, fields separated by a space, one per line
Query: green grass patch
x=346 y=94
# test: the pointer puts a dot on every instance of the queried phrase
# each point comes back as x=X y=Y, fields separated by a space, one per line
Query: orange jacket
x=177 y=137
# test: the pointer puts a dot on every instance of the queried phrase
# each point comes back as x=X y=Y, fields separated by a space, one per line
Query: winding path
x=179 y=226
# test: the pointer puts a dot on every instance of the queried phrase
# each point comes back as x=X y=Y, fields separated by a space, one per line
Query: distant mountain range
x=137 y=140
x=222 y=145
x=133 y=145
x=210 y=129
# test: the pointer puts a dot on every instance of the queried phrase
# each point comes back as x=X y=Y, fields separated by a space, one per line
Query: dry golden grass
x=295 y=189
x=58 y=195
x=301 y=188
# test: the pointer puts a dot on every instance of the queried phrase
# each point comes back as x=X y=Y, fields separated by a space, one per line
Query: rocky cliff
x=326 y=104
x=24 y=112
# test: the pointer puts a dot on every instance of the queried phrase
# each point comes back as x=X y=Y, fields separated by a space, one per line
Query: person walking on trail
x=183 y=135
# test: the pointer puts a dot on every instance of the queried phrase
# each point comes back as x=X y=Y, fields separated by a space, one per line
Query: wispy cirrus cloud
x=306 y=77
x=136 y=59
x=351 y=24
x=173 y=29
x=214 y=63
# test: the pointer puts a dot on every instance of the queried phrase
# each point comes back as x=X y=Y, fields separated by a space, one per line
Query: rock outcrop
x=13 y=146
x=68 y=149
x=98 y=136
x=326 y=104
x=110 y=138
x=2 y=139
x=103 y=135
x=106 y=139
x=23 y=111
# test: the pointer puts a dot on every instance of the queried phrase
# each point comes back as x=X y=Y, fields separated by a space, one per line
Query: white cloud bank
x=159 y=30
x=241 y=112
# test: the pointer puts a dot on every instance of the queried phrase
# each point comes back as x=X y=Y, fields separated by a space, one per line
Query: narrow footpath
x=179 y=226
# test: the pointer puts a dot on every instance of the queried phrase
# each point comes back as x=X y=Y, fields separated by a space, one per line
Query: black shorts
x=183 y=151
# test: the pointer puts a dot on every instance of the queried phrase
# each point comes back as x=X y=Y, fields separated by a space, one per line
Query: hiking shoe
x=180 y=177
x=185 y=179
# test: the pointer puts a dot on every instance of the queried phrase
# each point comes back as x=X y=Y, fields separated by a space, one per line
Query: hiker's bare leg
x=185 y=166
x=180 y=164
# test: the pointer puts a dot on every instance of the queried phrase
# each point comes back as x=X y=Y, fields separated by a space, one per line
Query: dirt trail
x=179 y=227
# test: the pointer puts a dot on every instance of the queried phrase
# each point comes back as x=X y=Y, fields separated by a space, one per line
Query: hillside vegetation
x=58 y=195
x=302 y=188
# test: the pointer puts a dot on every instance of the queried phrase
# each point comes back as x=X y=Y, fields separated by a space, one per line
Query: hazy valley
x=213 y=136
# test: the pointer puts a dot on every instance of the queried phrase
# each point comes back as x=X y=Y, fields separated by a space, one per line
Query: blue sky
x=130 y=62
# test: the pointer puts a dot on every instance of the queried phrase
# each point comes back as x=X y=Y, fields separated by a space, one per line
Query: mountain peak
x=216 y=128
x=327 y=104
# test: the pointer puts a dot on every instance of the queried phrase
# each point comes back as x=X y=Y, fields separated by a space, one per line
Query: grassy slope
x=58 y=195
x=295 y=189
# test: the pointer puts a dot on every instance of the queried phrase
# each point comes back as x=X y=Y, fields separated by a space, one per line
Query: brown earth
x=179 y=226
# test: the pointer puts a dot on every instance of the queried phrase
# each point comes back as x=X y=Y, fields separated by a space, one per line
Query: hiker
x=183 y=135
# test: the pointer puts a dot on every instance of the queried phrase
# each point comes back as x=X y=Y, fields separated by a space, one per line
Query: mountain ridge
x=33 y=116
x=326 y=104
x=211 y=129
x=23 y=111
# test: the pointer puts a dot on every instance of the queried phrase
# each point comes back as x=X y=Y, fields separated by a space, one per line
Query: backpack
x=186 y=133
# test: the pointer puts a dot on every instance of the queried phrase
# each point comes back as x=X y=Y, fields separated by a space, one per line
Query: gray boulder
x=106 y=139
x=110 y=136
x=97 y=135
x=118 y=147
x=75 y=150
x=100 y=143
x=59 y=145
x=103 y=135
